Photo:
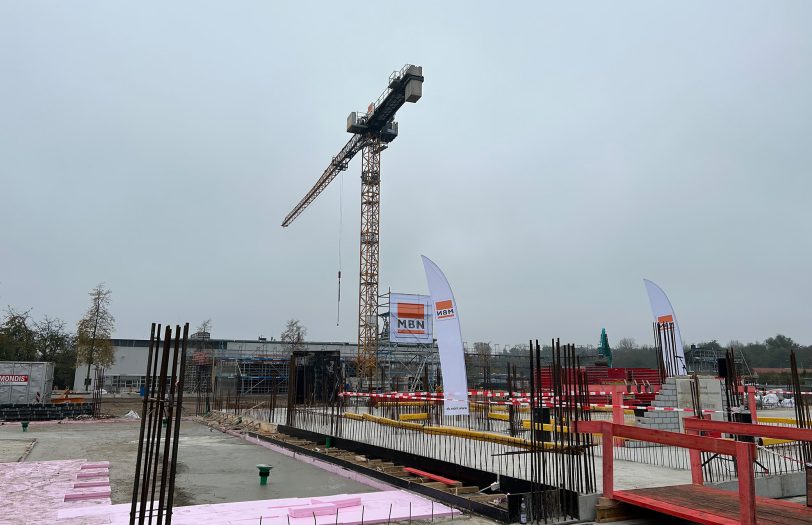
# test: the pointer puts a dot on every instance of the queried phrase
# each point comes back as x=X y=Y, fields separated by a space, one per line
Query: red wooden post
x=696 y=462
x=618 y=415
x=751 y=402
x=750 y=393
x=617 y=405
x=745 y=453
x=608 y=459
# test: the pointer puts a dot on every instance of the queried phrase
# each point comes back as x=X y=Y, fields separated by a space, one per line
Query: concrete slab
x=212 y=467
x=12 y=450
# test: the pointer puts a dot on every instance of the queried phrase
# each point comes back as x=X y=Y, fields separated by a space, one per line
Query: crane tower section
x=372 y=131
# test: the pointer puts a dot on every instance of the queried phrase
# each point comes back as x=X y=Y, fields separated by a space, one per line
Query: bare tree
x=294 y=335
x=205 y=327
x=625 y=344
x=94 y=331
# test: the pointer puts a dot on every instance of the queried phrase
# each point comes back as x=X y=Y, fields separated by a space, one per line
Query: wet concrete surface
x=212 y=467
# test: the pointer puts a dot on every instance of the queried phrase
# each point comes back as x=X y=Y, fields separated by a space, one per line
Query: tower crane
x=372 y=131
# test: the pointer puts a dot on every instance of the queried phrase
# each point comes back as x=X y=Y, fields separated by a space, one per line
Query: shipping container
x=25 y=382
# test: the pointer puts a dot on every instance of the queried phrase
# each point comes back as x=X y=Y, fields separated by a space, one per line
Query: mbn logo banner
x=411 y=318
x=444 y=309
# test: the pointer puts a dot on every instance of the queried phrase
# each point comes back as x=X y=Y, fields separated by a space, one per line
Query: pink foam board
x=341 y=503
x=100 y=464
x=376 y=508
x=312 y=510
x=93 y=473
x=88 y=484
x=88 y=495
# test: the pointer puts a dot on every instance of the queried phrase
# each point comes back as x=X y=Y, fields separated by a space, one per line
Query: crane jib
x=377 y=125
x=339 y=163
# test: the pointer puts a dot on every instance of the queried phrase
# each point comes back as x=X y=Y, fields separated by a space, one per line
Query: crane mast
x=372 y=131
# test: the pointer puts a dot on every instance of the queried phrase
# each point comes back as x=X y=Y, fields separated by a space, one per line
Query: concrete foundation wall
x=676 y=393
x=782 y=486
x=586 y=506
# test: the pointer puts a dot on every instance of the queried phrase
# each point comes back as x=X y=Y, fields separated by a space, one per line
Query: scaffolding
x=705 y=361
x=403 y=367
x=198 y=375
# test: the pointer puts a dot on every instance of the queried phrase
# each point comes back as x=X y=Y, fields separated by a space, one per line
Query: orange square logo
x=411 y=318
x=411 y=311
x=444 y=309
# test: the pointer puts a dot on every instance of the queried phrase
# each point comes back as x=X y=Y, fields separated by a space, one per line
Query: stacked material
x=43 y=411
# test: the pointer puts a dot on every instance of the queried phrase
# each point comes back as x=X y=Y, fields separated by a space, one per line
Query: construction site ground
x=215 y=467
x=212 y=468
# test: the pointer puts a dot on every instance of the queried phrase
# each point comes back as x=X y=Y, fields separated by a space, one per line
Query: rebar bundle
x=559 y=474
x=733 y=397
x=802 y=419
x=97 y=392
x=157 y=458
x=665 y=344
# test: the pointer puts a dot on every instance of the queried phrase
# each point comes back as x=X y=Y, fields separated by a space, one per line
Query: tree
x=94 y=331
x=481 y=359
x=483 y=351
x=294 y=335
x=626 y=344
x=17 y=337
x=711 y=345
x=781 y=342
x=205 y=327
x=56 y=345
x=518 y=350
x=51 y=338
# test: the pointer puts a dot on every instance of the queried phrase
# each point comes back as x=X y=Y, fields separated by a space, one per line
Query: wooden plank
x=675 y=439
x=748 y=429
x=679 y=511
x=717 y=504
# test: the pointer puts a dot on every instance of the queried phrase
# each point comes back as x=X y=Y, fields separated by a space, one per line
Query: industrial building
x=259 y=365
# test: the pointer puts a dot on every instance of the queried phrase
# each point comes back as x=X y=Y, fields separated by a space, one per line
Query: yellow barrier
x=413 y=417
x=773 y=441
x=544 y=426
x=453 y=431
x=782 y=420
x=499 y=416
x=609 y=409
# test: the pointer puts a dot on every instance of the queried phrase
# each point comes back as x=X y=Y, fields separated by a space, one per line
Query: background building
x=260 y=366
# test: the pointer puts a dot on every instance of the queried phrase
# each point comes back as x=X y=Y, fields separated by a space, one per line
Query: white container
x=23 y=382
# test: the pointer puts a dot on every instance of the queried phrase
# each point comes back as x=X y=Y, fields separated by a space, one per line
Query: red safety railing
x=743 y=452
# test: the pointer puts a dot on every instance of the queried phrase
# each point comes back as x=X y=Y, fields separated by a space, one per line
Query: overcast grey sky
x=561 y=153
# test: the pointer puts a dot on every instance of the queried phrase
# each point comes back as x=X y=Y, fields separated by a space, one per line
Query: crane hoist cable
x=340 y=228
